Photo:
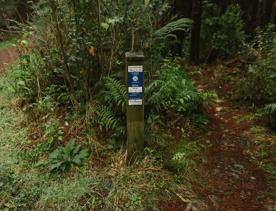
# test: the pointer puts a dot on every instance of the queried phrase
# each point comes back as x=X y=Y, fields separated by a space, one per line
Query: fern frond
x=116 y=93
x=268 y=110
x=104 y=117
x=179 y=25
x=157 y=98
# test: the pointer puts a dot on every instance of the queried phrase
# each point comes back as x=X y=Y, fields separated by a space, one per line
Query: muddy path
x=229 y=179
x=7 y=56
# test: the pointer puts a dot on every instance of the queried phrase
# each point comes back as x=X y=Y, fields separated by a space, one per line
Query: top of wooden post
x=135 y=56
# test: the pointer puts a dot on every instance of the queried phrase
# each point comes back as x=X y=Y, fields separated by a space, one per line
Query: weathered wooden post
x=135 y=105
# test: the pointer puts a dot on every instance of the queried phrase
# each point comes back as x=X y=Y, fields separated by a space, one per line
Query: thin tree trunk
x=196 y=29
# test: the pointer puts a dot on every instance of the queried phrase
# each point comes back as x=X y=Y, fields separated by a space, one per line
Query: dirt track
x=229 y=179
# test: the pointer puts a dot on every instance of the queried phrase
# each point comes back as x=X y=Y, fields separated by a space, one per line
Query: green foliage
x=62 y=159
x=168 y=30
x=73 y=54
x=170 y=90
x=116 y=93
x=52 y=137
x=266 y=153
x=182 y=157
x=269 y=111
x=46 y=105
x=223 y=33
x=8 y=184
x=7 y=43
x=264 y=42
x=29 y=77
x=109 y=113
x=53 y=133
x=173 y=90
x=107 y=186
x=258 y=83
x=105 y=118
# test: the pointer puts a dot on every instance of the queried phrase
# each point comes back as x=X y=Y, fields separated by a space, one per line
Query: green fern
x=167 y=31
x=267 y=110
x=156 y=92
x=105 y=118
x=116 y=93
x=173 y=89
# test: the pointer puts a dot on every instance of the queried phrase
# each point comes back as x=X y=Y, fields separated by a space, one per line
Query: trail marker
x=135 y=105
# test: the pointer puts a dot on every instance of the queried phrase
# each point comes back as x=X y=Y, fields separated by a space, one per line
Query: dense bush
x=64 y=53
x=257 y=85
x=223 y=35
x=170 y=91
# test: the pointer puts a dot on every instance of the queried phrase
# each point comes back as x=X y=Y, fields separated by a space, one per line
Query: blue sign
x=135 y=85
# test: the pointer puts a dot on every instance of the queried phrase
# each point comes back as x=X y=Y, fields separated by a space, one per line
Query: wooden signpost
x=135 y=105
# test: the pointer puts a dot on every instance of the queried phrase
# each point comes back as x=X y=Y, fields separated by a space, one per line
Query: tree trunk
x=196 y=28
x=252 y=23
x=274 y=13
x=267 y=10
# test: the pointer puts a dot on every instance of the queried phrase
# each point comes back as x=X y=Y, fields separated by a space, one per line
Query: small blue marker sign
x=135 y=85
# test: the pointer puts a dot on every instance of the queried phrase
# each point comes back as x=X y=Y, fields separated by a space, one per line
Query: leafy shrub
x=62 y=159
x=73 y=55
x=166 y=40
x=224 y=33
x=53 y=133
x=45 y=105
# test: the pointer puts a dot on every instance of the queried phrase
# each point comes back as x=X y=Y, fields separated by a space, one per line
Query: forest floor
x=231 y=177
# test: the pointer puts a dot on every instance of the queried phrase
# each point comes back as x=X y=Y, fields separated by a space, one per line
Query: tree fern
x=167 y=31
x=116 y=93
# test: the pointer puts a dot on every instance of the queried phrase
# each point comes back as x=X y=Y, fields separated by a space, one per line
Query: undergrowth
x=30 y=176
